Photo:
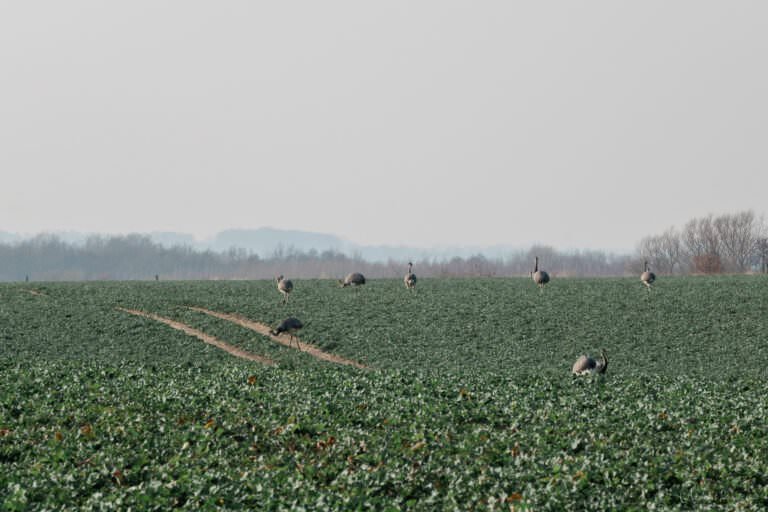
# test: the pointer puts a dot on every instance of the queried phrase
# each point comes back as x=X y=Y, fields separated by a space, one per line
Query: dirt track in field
x=283 y=338
x=37 y=293
x=202 y=336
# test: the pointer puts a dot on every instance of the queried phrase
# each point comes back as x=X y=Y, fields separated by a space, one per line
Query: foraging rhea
x=647 y=277
x=284 y=286
x=540 y=277
x=353 y=279
x=585 y=365
x=289 y=325
x=410 y=277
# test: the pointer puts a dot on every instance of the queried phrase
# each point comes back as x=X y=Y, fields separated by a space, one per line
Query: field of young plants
x=467 y=401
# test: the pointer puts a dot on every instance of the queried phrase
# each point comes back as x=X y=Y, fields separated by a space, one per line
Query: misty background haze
x=266 y=242
x=580 y=126
x=732 y=243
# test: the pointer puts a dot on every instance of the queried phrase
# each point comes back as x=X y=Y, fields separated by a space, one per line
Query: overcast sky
x=576 y=124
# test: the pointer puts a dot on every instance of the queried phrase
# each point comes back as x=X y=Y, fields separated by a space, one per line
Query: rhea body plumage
x=410 y=277
x=586 y=365
x=290 y=325
x=284 y=286
x=647 y=277
x=540 y=277
x=353 y=279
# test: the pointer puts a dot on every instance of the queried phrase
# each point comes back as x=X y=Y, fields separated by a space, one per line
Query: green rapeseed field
x=467 y=403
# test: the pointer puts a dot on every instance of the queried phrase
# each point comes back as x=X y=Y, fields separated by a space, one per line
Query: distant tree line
x=726 y=243
x=137 y=257
x=733 y=243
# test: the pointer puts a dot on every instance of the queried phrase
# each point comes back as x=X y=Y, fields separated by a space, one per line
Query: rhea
x=289 y=325
x=586 y=365
x=284 y=286
x=353 y=279
x=540 y=277
x=647 y=277
x=410 y=277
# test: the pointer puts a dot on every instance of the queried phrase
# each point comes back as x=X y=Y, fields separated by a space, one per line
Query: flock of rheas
x=584 y=365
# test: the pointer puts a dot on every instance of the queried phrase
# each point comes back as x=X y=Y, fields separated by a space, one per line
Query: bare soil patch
x=37 y=293
x=283 y=338
x=211 y=340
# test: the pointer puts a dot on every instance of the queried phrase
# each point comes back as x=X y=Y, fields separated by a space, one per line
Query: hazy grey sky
x=577 y=124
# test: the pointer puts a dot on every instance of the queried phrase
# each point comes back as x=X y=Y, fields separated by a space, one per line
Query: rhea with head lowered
x=289 y=325
x=586 y=365
x=353 y=279
x=410 y=277
x=647 y=277
x=284 y=286
x=540 y=277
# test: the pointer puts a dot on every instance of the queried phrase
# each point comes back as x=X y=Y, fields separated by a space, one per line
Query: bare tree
x=651 y=249
x=729 y=242
x=702 y=244
x=762 y=254
x=738 y=238
x=664 y=252
x=672 y=248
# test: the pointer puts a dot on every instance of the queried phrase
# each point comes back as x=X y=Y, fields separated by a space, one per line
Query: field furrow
x=211 y=340
x=283 y=339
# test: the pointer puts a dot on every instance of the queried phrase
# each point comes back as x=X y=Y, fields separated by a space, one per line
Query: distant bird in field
x=647 y=277
x=284 y=286
x=585 y=365
x=410 y=277
x=540 y=277
x=353 y=279
x=289 y=325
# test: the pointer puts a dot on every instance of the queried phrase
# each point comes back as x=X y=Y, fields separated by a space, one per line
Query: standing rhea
x=647 y=277
x=289 y=325
x=353 y=279
x=585 y=365
x=410 y=277
x=284 y=286
x=540 y=277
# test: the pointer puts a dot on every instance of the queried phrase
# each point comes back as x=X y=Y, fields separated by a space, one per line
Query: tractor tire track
x=264 y=330
x=211 y=340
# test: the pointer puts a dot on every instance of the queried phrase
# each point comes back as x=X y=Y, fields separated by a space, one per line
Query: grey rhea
x=289 y=325
x=540 y=277
x=410 y=277
x=647 y=277
x=353 y=279
x=284 y=286
x=586 y=365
